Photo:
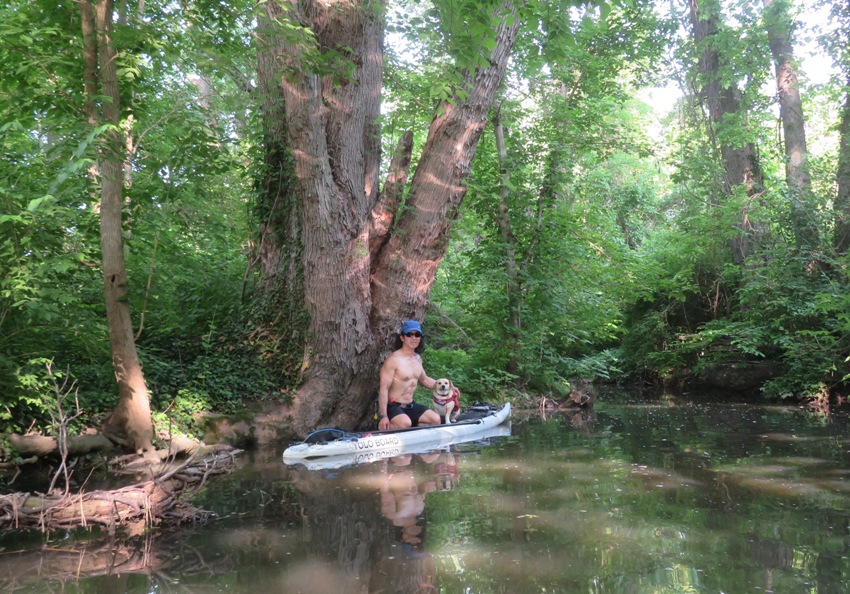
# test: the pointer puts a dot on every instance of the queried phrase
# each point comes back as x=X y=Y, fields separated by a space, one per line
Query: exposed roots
x=575 y=399
x=162 y=498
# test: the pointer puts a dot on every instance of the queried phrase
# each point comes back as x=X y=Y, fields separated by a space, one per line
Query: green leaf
x=35 y=203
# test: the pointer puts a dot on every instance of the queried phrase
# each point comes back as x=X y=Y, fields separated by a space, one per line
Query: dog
x=447 y=400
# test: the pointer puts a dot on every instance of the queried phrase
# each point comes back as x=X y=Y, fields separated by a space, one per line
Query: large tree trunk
x=357 y=289
x=780 y=33
x=331 y=123
x=280 y=295
x=740 y=165
x=131 y=419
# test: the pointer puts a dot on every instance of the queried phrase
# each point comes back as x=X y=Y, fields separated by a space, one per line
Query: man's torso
x=406 y=372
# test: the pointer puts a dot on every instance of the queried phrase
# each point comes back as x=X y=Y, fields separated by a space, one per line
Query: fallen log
x=161 y=499
x=45 y=445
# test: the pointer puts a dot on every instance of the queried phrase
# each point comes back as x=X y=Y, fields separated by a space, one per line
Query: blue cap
x=410 y=326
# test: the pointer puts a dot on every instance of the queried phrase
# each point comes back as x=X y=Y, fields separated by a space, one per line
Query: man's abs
x=402 y=392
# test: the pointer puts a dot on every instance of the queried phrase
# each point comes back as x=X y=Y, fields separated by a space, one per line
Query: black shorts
x=413 y=410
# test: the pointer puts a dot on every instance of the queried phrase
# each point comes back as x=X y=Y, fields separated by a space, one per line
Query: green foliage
x=215 y=368
x=619 y=224
x=30 y=398
x=582 y=193
x=450 y=363
x=475 y=376
x=798 y=318
x=603 y=365
x=185 y=213
x=183 y=415
x=777 y=309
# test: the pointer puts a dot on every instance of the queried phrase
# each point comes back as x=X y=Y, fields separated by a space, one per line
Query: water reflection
x=625 y=498
x=407 y=481
x=369 y=522
x=103 y=563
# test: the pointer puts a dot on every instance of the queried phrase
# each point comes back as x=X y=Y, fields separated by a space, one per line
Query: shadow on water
x=632 y=496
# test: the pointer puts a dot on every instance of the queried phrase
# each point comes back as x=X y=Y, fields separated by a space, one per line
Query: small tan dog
x=447 y=400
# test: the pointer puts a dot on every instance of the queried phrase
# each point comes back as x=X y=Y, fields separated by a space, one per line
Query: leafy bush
x=602 y=365
x=29 y=395
x=33 y=396
x=182 y=416
x=476 y=380
x=222 y=376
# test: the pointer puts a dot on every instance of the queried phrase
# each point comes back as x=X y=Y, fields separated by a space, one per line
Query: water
x=631 y=497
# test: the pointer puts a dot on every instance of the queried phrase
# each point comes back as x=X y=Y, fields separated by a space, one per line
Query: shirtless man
x=400 y=374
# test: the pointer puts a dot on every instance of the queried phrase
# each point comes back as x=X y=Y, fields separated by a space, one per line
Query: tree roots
x=160 y=499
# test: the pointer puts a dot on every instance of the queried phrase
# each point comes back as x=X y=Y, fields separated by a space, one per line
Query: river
x=633 y=496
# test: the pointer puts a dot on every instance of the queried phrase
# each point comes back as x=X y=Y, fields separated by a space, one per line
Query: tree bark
x=407 y=265
x=331 y=123
x=358 y=288
x=512 y=284
x=780 y=28
x=276 y=253
x=740 y=165
x=383 y=213
x=131 y=418
x=841 y=237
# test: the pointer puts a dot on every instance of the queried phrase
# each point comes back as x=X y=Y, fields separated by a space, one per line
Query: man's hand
x=383 y=423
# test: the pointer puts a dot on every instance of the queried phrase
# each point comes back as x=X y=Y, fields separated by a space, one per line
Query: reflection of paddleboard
x=358 y=448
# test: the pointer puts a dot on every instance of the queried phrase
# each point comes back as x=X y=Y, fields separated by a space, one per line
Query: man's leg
x=398 y=418
x=429 y=417
x=422 y=415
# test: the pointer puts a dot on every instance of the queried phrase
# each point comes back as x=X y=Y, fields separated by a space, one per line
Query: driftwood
x=581 y=398
x=153 y=501
x=576 y=399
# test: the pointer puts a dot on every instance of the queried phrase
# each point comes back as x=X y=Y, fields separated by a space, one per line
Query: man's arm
x=386 y=378
x=426 y=381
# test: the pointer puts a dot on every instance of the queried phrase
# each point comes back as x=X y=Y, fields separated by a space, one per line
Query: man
x=400 y=374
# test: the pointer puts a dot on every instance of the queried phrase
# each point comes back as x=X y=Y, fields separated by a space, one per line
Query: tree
x=722 y=100
x=131 y=418
x=841 y=238
x=280 y=294
x=838 y=44
x=359 y=281
x=183 y=216
x=780 y=28
x=538 y=264
x=503 y=221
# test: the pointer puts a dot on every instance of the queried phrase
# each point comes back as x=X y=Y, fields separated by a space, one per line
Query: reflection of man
x=403 y=503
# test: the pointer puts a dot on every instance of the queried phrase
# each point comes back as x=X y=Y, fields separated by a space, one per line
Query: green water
x=635 y=498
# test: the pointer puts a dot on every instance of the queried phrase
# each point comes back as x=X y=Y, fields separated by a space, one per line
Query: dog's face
x=443 y=388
